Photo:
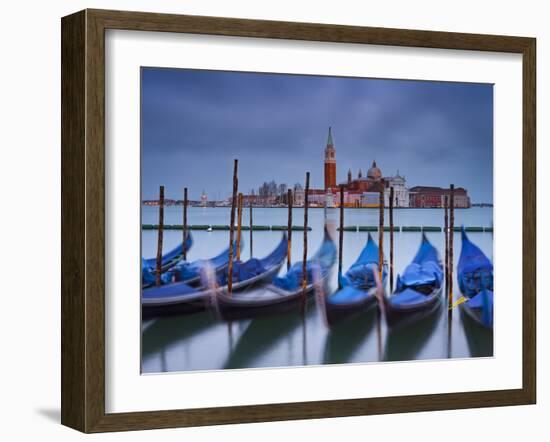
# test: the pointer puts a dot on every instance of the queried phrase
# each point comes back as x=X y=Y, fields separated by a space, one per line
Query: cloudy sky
x=194 y=123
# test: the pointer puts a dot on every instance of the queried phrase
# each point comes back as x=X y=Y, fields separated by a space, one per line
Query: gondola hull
x=189 y=273
x=358 y=287
x=266 y=301
x=477 y=315
x=418 y=289
x=171 y=258
x=285 y=293
x=201 y=299
x=475 y=280
x=340 y=312
x=196 y=281
x=404 y=316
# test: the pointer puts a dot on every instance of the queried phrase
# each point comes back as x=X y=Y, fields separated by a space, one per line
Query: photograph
x=295 y=220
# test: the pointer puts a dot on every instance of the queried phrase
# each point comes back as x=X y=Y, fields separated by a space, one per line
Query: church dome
x=374 y=172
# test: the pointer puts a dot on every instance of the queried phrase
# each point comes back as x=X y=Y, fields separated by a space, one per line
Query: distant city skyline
x=195 y=122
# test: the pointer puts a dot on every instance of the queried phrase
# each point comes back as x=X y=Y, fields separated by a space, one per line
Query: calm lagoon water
x=200 y=342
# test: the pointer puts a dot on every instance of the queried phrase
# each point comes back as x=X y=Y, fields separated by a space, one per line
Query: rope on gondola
x=459 y=301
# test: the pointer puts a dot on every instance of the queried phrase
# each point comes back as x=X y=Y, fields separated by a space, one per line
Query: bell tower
x=330 y=162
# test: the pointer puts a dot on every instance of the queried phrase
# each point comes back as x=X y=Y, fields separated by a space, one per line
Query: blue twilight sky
x=195 y=122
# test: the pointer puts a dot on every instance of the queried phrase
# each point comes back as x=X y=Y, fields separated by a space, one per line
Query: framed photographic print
x=269 y=220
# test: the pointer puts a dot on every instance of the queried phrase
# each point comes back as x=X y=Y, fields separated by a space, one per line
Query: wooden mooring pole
x=446 y=232
x=289 y=230
x=239 y=225
x=381 y=234
x=451 y=244
x=304 y=260
x=341 y=237
x=251 y=234
x=185 y=202
x=391 y=239
x=232 y=228
x=160 y=234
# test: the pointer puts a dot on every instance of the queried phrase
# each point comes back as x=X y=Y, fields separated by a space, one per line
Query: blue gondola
x=357 y=286
x=169 y=260
x=286 y=292
x=475 y=280
x=190 y=272
x=418 y=289
x=180 y=297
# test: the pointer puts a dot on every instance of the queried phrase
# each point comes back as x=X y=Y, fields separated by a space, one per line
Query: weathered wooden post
x=160 y=234
x=251 y=225
x=391 y=239
x=184 y=246
x=381 y=233
x=451 y=244
x=289 y=231
x=341 y=237
x=304 y=260
x=239 y=224
x=231 y=228
x=446 y=231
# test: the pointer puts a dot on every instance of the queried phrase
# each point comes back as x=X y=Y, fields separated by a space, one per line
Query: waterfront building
x=373 y=182
x=257 y=200
x=370 y=199
x=358 y=192
x=318 y=197
x=400 y=192
x=299 y=196
x=434 y=197
x=363 y=191
x=331 y=199
x=204 y=199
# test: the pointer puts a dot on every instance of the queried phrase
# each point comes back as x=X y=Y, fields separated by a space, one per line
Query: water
x=200 y=342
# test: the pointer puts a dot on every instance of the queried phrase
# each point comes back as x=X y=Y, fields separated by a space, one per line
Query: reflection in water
x=265 y=335
x=346 y=337
x=480 y=339
x=405 y=343
x=188 y=342
x=230 y=335
x=202 y=342
x=165 y=331
x=304 y=339
x=378 y=334
x=449 y=335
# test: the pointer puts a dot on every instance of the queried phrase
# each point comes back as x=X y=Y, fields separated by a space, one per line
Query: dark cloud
x=195 y=122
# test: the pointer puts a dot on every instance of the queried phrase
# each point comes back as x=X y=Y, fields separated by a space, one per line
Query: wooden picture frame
x=83 y=220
